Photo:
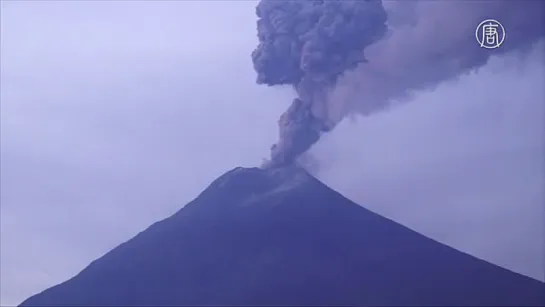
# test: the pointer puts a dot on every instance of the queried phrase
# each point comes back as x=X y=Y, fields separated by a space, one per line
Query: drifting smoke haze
x=347 y=57
x=432 y=42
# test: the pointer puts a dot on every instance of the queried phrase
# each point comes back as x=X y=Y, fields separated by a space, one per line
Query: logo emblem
x=490 y=34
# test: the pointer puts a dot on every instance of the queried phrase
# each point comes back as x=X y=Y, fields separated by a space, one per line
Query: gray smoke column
x=309 y=44
x=317 y=46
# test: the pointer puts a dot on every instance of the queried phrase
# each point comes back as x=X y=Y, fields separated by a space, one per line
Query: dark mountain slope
x=280 y=237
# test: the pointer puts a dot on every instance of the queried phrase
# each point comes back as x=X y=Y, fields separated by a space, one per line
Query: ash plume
x=309 y=45
x=359 y=56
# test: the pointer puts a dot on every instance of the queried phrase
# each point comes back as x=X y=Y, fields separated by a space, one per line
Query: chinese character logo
x=490 y=34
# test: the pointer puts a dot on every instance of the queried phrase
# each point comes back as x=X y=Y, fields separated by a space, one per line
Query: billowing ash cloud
x=318 y=47
x=309 y=44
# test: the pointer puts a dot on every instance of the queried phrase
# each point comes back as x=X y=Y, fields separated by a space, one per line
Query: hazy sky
x=115 y=114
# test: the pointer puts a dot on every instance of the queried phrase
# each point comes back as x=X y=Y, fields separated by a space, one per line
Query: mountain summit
x=280 y=237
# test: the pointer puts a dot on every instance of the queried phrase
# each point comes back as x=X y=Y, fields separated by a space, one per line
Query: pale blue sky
x=115 y=114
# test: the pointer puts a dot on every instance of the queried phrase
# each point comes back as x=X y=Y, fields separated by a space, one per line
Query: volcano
x=281 y=237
